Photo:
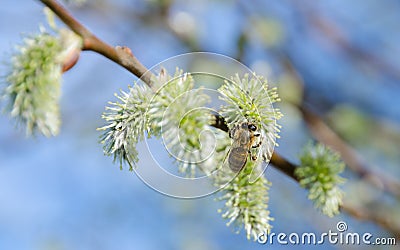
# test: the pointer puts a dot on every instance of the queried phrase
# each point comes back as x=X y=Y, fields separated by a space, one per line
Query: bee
x=244 y=137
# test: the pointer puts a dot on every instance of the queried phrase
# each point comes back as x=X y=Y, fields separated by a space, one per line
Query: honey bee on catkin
x=244 y=136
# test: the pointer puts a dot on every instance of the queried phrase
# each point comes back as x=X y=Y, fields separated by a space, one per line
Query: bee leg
x=257 y=145
x=252 y=157
x=260 y=139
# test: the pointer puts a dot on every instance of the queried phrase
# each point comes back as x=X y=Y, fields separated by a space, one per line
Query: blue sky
x=63 y=193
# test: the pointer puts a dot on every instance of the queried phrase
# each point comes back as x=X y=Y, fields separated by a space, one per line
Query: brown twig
x=91 y=42
x=123 y=56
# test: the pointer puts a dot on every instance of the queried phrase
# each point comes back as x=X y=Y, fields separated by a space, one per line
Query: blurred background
x=337 y=62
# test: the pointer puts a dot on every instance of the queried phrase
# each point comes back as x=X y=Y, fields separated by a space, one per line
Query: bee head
x=252 y=127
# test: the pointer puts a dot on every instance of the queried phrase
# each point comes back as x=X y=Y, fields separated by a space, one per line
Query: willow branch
x=120 y=55
x=124 y=57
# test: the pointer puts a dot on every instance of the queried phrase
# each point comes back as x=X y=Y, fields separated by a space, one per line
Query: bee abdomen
x=237 y=158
